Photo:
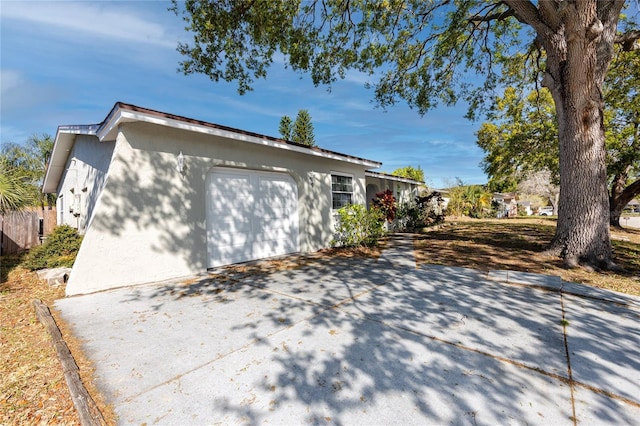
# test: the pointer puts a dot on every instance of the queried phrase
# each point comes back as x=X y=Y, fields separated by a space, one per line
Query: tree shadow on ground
x=341 y=340
x=490 y=245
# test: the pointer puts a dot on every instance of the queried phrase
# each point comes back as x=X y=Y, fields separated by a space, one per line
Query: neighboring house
x=526 y=206
x=507 y=204
x=633 y=206
x=159 y=196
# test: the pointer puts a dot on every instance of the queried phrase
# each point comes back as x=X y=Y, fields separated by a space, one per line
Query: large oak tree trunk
x=576 y=66
x=582 y=233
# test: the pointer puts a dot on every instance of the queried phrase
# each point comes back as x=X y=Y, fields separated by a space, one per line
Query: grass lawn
x=518 y=244
x=32 y=385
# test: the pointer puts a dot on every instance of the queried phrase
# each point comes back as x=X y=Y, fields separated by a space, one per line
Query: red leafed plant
x=386 y=202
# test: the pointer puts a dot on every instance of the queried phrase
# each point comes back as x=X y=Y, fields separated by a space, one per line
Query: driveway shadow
x=354 y=341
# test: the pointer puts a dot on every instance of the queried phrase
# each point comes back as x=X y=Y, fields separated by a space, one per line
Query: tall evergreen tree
x=285 y=127
x=303 y=129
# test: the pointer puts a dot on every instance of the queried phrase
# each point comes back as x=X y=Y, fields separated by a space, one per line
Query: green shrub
x=358 y=226
x=59 y=249
x=421 y=213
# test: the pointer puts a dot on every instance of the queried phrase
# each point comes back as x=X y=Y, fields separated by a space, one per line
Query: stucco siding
x=150 y=220
x=82 y=181
x=403 y=191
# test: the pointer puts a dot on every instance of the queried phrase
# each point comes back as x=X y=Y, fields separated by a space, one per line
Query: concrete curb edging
x=555 y=283
x=88 y=412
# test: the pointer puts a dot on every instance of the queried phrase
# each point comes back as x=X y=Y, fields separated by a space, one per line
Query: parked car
x=545 y=211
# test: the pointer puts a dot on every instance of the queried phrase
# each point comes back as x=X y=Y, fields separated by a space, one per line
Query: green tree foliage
x=22 y=169
x=428 y=52
x=469 y=200
x=285 y=127
x=302 y=131
x=15 y=190
x=410 y=172
x=522 y=137
x=622 y=118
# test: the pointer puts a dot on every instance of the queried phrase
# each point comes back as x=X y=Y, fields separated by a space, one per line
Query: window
x=341 y=190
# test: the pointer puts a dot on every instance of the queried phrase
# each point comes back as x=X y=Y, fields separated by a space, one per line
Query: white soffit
x=65 y=138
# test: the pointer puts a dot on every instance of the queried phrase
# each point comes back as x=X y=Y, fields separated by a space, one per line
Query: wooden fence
x=22 y=230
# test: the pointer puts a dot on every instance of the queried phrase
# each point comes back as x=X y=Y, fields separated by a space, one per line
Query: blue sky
x=68 y=62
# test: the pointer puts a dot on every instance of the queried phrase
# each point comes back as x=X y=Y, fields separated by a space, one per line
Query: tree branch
x=629 y=193
x=549 y=13
x=526 y=12
x=498 y=16
x=629 y=41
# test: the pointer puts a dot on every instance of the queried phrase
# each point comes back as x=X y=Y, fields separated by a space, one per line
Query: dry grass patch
x=32 y=385
x=294 y=261
x=518 y=245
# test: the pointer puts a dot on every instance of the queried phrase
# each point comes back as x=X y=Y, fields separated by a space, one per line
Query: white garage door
x=250 y=215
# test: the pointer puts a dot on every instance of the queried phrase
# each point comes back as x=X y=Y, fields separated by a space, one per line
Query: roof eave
x=65 y=138
x=392 y=177
x=122 y=113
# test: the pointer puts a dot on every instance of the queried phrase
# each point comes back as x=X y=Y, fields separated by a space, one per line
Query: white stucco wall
x=403 y=191
x=82 y=181
x=149 y=221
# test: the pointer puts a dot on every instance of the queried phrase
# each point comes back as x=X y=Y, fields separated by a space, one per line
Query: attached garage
x=162 y=197
x=250 y=215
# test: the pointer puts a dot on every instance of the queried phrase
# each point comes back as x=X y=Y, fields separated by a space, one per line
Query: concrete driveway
x=365 y=342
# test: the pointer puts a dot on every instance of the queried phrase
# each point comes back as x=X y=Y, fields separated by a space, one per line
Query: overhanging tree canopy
x=424 y=52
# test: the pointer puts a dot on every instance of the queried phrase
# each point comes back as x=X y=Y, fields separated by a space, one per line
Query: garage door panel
x=228 y=181
x=232 y=239
x=273 y=235
x=233 y=202
x=275 y=219
x=233 y=254
x=270 y=248
x=250 y=215
x=279 y=224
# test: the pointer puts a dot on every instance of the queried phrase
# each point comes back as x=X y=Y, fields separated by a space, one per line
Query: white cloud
x=9 y=134
x=107 y=20
x=19 y=95
x=359 y=77
x=18 y=92
x=10 y=79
